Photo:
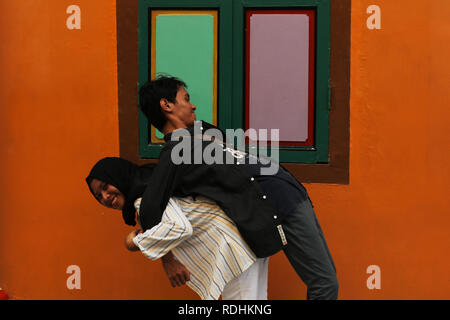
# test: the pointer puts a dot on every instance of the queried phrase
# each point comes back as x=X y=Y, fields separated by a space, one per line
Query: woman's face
x=107 y=194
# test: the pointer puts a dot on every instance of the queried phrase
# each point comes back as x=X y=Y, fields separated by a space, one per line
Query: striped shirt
x=203 y=239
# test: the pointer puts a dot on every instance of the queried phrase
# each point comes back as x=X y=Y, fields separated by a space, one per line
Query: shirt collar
x=190 y=129
x=168 y=136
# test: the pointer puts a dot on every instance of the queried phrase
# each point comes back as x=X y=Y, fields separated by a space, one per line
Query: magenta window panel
x=280 y=73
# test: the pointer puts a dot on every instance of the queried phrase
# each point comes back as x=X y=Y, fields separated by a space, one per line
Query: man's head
x=165 y=100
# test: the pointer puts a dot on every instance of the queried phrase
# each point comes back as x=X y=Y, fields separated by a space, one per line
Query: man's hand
x=129 y=244
x=175 y=271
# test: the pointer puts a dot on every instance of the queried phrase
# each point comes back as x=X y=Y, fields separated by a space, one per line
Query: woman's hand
x=177 y=273
x=129 y=244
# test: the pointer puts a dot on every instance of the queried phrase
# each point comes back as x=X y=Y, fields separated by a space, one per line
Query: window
x=248 y=64
x=282 y=78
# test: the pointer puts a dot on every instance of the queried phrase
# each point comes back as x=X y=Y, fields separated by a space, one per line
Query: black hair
x=151 y=93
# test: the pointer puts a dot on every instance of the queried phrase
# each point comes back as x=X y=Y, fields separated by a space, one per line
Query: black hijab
x=129 y=178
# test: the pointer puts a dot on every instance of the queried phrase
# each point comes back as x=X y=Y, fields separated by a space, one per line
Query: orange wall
x=58 y=115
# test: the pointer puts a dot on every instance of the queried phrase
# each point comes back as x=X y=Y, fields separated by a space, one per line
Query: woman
x=198 y=243
x=116 y=183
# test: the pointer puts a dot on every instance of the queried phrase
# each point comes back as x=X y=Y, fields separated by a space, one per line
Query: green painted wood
x=323 y=80
x=319 y=153
x=224 y=76
x=184 y=48
x=231 y=68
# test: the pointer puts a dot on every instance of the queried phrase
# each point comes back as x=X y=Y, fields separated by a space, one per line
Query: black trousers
x=308 y=253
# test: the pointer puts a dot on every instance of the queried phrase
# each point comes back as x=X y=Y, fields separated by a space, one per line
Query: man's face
x=183 y=109
x=107 y=194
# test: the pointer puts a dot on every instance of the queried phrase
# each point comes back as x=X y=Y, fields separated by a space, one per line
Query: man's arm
x=160 y=188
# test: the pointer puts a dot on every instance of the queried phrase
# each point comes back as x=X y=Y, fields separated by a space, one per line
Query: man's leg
x=250 y=284
x=308 y=253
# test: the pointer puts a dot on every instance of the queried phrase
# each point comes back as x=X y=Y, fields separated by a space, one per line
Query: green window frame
x=224 y=8
x=231 y=48
x=318 y=153
x=328 y=162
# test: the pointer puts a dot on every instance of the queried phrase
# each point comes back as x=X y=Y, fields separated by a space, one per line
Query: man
x=272 y=212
